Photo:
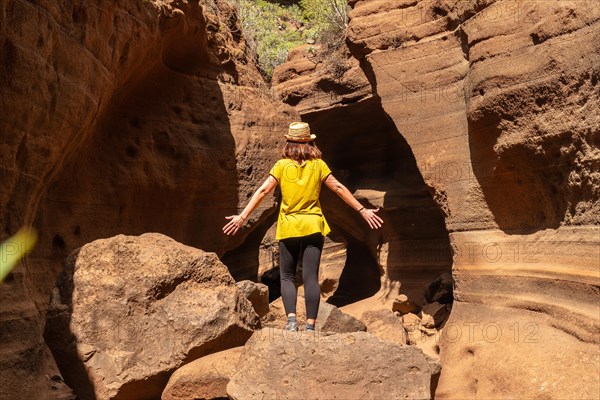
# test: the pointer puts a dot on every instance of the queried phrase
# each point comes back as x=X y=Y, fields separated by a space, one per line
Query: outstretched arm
x=369 y=215
x=236 y=221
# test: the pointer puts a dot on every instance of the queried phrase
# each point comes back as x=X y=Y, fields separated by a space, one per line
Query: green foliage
x=273 y=28
x=13 y=249
x=327 y=15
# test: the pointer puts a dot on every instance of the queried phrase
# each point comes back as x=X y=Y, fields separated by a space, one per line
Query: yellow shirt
x=300 y=211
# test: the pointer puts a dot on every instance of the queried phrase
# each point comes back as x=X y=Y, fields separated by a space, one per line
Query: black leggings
x=289 y=253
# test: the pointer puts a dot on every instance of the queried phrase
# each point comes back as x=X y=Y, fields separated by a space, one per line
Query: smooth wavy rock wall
x=498 y=102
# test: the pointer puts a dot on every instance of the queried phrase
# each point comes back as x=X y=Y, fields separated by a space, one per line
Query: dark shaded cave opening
x=366 y=152
x=243 y=261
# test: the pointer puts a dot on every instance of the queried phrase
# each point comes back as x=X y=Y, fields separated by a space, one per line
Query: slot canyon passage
x=130 y=129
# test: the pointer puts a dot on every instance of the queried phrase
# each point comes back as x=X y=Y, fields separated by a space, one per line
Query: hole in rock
x=540 y=101
x=131 y=151
x=535 y=38
x=58 y=242
x=135 y=122
x=437 y=10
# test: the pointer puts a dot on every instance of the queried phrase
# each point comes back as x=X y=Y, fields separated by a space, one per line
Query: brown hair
x=300 y=151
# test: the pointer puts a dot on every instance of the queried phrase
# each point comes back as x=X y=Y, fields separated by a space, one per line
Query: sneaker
x=310 y=328
x=291 y=326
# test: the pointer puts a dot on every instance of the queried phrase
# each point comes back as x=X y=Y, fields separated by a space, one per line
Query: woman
x=301 y=226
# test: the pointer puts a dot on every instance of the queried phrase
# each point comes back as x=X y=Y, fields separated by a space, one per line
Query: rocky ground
x=146 y=317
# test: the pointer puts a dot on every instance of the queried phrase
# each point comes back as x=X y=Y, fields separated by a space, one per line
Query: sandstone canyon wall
x=514 y=94
x=121 y=117
x=498 y=105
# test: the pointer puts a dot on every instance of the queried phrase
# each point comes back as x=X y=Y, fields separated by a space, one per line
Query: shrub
x=272 y=29
x=329 y=17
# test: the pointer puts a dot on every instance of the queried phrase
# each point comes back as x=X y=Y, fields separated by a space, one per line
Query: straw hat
x=299 y=132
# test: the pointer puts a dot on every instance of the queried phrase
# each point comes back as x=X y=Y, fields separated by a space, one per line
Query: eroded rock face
x=128 y=117
x=494 y=100
x=500 y=128
x=311 y=80
x=280 y=365
x=129 y=310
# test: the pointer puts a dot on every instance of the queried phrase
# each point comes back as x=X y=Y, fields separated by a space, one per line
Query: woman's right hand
x=372 y=219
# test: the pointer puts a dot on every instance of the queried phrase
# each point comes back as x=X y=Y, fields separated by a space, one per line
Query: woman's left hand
x=235 y=223
x=372 y=219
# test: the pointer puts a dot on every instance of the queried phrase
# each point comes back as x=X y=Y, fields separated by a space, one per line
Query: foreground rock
x=205 y=378
x=385 y=325
x=129 y=310
x=280 y=365
x=517 y=351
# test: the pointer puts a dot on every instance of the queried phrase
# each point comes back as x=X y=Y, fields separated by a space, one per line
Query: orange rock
x=205 y=378
x=128 y=310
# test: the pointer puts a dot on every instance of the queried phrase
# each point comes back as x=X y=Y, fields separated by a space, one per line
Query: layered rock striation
x=497 y=102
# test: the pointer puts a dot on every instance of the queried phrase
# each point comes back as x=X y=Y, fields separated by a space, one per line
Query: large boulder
x=205 y=378
x=276 y=364
x=129 y=310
